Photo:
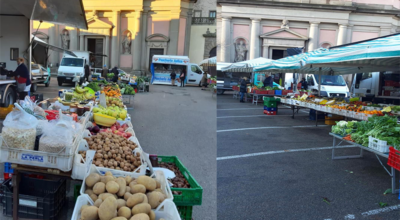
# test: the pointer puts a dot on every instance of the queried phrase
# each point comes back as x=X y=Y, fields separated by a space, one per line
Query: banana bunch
x=79 y=90
x=64 y=102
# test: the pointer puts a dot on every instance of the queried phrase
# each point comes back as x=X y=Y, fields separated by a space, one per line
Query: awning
x=65 y=12
x=246 y=66
x=375 y=55
x=212 y=61
x=222 y=65
x=50 y=47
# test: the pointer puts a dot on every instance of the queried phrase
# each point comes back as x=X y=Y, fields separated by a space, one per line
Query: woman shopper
x=22 y=77
x=182 y=77
x=204 y=80
x=243 y=88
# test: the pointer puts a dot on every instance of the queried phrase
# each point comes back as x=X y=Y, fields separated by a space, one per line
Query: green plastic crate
x=270 y=104
x=190 y=196
x=185 y=212
x=77 y=189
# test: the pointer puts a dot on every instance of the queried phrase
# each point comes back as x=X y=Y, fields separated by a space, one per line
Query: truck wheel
x=34 y=87
x=220 y=92
x=9 y=96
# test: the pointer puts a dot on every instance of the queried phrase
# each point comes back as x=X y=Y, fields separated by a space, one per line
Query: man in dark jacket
x=243 y=88
x=87 y=72
x=23 y=77
x=304 y=84
x=268 y=81
x=173 y=77
x=116 y=73
x=104 y=72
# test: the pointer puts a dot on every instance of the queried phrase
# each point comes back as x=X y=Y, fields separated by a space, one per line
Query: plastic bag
x=19 y=129
x=30 y=107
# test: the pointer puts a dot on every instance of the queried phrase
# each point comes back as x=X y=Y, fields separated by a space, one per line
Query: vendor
x=303 y=84
x=116 y=73
x=268 y=81
x=22 y=77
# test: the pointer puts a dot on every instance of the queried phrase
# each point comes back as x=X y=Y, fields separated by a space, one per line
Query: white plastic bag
x=19 y=129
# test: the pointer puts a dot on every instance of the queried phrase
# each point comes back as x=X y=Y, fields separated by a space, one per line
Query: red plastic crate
x=390 y=83
x=270 y=92
x=269 y=112
x=394 y=158
x=285 y=92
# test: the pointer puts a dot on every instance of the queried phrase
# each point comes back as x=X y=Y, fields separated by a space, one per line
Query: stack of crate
x=271 y=105
x=8 y=171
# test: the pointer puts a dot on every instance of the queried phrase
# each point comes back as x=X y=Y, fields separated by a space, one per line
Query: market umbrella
x=212 y=61
x=246 y=66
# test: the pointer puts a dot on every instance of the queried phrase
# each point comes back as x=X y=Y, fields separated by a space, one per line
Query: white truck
x=73 y=67
x=377 y=86
x=163 y=65
x=331 y=86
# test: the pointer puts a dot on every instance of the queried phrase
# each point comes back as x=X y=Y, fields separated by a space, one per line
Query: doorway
x=154 y=51
x=213 y=52
x=95 y=45
x=278 y=54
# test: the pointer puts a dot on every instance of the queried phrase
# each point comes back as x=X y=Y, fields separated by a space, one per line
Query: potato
x=141 y=208
x=98 y=202
x=152 y=215
x=148 y=182
x=128 y=179
x=127 y=195
x=122 y=186
x=158 y=184
x=92 y=179
x=145 y=200
x=119 y=218
x=120 y=203
x=127 y=189
x=112 y=187
x=89 y=192
x=90 y=213
x=135 y=199
x=155 y=199
x=99 y=188
x=131 y=184
x=141 y=216
x=83 y=207
x=138 y=188
x=108 y=173
x=108 y=209
x=104 y=196
x=94 y=197
x=106 y=179
x=124 y=212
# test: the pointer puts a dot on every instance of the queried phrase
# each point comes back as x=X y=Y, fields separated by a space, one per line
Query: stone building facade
x=128 y=32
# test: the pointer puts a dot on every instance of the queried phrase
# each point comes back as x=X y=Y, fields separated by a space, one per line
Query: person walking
x=104 y=72
x=182 y=77
x=173 y=77
x=243 y=88
x=204 y=80
x=116 y=73
x=22 y=77
x=87 y=73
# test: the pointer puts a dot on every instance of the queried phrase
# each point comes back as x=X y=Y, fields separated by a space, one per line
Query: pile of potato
x=122 y=198
x=113 y=151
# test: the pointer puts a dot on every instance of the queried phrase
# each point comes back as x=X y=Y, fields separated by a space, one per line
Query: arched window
x=326 y=45
x=213 y=52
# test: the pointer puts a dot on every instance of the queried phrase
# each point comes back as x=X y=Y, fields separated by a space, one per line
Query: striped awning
x=246 y=66
x=220 y=65
x=212 y=61
x=379 y=54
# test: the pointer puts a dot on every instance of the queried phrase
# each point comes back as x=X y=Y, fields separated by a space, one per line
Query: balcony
x=203 y=21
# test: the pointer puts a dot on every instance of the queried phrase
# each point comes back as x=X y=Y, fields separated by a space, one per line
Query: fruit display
x=122 y=197
x=111 y=101
x=113 y=151
x=104 y=120
x=113 y=111
x=112 y=91
x=81 y=94
x=94 y=86
x=118 y=130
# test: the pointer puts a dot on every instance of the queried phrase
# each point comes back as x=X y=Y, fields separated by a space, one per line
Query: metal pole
x=319 y=82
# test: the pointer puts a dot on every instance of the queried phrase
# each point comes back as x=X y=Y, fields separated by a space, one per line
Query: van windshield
x=330 y=80
x=72 y=62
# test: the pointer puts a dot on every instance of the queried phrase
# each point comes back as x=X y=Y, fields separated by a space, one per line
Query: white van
x=377 y=85
x=162 y=66
x=330 y=85
x=71 y=67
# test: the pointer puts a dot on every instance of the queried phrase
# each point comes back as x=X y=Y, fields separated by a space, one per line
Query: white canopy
x=212 y=61
x=220 y=65
x=246 y=66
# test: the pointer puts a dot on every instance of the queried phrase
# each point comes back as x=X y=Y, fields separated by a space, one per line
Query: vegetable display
x=127 y=89
x=94 y=86
x=122 y=197
x=113 y=151
x=179 y=181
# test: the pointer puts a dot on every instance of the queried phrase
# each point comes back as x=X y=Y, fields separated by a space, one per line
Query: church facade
x=127 y=32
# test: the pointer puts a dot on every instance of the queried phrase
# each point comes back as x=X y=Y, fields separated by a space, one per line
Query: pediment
x=157 y=37
x=284 y=33
x=95 y=23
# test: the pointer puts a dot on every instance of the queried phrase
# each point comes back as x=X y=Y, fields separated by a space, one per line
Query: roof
x=246 y=66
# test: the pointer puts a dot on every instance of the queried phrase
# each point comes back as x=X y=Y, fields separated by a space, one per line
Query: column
x=255 y=38
x=107 y=51
x=342 y=35
x=188 y=32
x=144 y=35
x=314 y=36
x=226 y=39
x=265 y=51
x=137 y=43
x=173 y=34
x=114 y=38
x=82 y=42
x=73 y=39
x=385 y=31
x=349 y=33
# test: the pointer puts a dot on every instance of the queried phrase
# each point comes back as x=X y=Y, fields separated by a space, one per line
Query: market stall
x=210 y=65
